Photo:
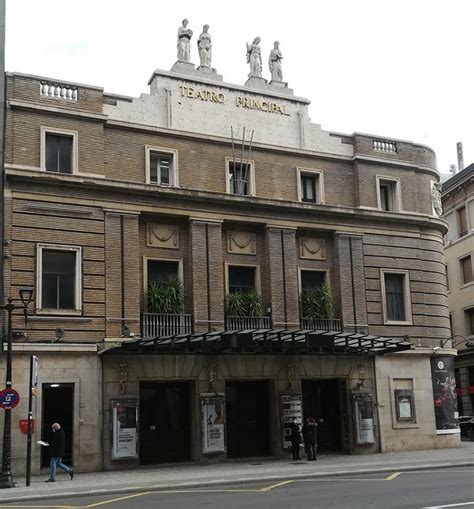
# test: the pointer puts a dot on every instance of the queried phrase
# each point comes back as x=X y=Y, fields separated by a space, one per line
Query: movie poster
x=124 y=429
x=364 y=417
x=444 y=395
x=213 y=420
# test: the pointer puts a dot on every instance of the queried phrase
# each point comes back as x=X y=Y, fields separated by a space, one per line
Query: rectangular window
x=240 y=178
x=310 y=185
x=462 y=222
x=387 y=195
x=466 y=269
x=394 y=294
x=396 y=299
x=159 y=271
x=59 y=153
x=470 y=321
x=241 y=278
x=312 y=279
x=58 y=278
x=161 y=168
x=447 y=277
x=308 y=188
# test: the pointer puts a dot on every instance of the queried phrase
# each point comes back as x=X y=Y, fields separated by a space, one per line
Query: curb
x=117 y=490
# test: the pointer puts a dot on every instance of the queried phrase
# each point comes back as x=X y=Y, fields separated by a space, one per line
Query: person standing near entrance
x=295 y=439
x=57 y=445
x=310 y=438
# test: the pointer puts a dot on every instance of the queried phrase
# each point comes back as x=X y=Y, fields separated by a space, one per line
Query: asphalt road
x=447 y=488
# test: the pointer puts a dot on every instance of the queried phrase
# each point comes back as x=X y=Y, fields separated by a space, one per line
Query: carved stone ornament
x=436 y=198
x=312 y=249
x=165 y=236
x=241 y=243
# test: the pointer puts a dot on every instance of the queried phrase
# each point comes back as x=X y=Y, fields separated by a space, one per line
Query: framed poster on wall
x=444 y=395
x=213 y=422
x=124 y=428
x=364 y=417
x=292 y=408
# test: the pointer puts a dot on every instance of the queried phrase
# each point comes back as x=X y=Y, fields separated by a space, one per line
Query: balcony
x=320 y=324
x=247 y=322
x=157 y=325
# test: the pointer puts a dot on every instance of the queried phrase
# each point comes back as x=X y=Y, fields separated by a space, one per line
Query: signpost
x=9 y=399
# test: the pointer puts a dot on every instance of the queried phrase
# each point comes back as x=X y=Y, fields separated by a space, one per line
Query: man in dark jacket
x=309 y=437
x=57 y=445
x=295 y=438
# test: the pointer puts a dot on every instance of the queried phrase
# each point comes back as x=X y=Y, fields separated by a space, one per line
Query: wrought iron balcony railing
x=156 y=325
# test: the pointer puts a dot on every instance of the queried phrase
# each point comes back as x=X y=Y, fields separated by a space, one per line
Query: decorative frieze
x=312 y=248
x=165 y=236
x=241 y=243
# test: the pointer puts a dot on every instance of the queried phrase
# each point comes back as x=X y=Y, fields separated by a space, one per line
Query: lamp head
x=26 y=295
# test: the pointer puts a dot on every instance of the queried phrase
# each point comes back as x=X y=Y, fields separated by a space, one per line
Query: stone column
x=122 y=282
x=282 y=276
x=207 y=277
x=349 y=264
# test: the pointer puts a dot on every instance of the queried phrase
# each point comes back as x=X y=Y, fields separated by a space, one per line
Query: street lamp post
x=26 y=295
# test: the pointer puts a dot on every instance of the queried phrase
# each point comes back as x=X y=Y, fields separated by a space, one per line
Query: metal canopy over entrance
x=266 y=341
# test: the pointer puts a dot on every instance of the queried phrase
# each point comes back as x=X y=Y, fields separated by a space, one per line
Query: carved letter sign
x=165 y=236
x=312 y=249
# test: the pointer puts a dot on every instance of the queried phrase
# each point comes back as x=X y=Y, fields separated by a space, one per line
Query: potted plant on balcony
x=318 y=303
x=247 y=303
x=166 y=297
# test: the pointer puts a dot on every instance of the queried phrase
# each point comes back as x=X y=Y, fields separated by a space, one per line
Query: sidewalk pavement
x=261 y=470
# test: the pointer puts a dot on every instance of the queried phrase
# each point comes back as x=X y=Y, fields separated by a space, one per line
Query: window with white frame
x=161 y=166
x=388 y=194
x=58 y=150
x=310 y=185
x=396 y=300
x=240 y=178
x=58 y=278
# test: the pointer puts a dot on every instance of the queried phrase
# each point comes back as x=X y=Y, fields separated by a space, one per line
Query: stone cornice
x=30 y=105
x=396 y=162
x=208 y=197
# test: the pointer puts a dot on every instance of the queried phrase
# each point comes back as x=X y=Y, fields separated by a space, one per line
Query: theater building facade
x=208 y=263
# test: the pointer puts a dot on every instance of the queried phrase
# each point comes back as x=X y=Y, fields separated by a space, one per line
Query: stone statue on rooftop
x=205 y=47
x=274 y=62
x=254 y=58
x=184 y=42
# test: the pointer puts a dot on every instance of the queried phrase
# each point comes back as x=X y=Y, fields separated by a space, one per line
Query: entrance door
x=247 y=419
x=321 y=400
x=58 y=406
x=165 y=422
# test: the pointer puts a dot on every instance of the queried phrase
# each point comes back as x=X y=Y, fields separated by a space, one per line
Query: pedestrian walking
x=310 y=438
x=57 y=445
x=295 y=439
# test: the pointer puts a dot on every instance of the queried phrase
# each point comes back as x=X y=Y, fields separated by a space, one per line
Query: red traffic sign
x=9 y=398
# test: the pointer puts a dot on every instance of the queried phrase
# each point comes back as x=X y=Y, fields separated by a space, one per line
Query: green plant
x=247 y=303
x=318 y=302
x=166 y=297
x=253 y=303
x=234 y=304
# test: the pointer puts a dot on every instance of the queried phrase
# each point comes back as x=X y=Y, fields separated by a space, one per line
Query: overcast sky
x=395 y=68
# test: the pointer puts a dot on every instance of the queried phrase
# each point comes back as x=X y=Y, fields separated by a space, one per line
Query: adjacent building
x=458 y=206
x=208 y=263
